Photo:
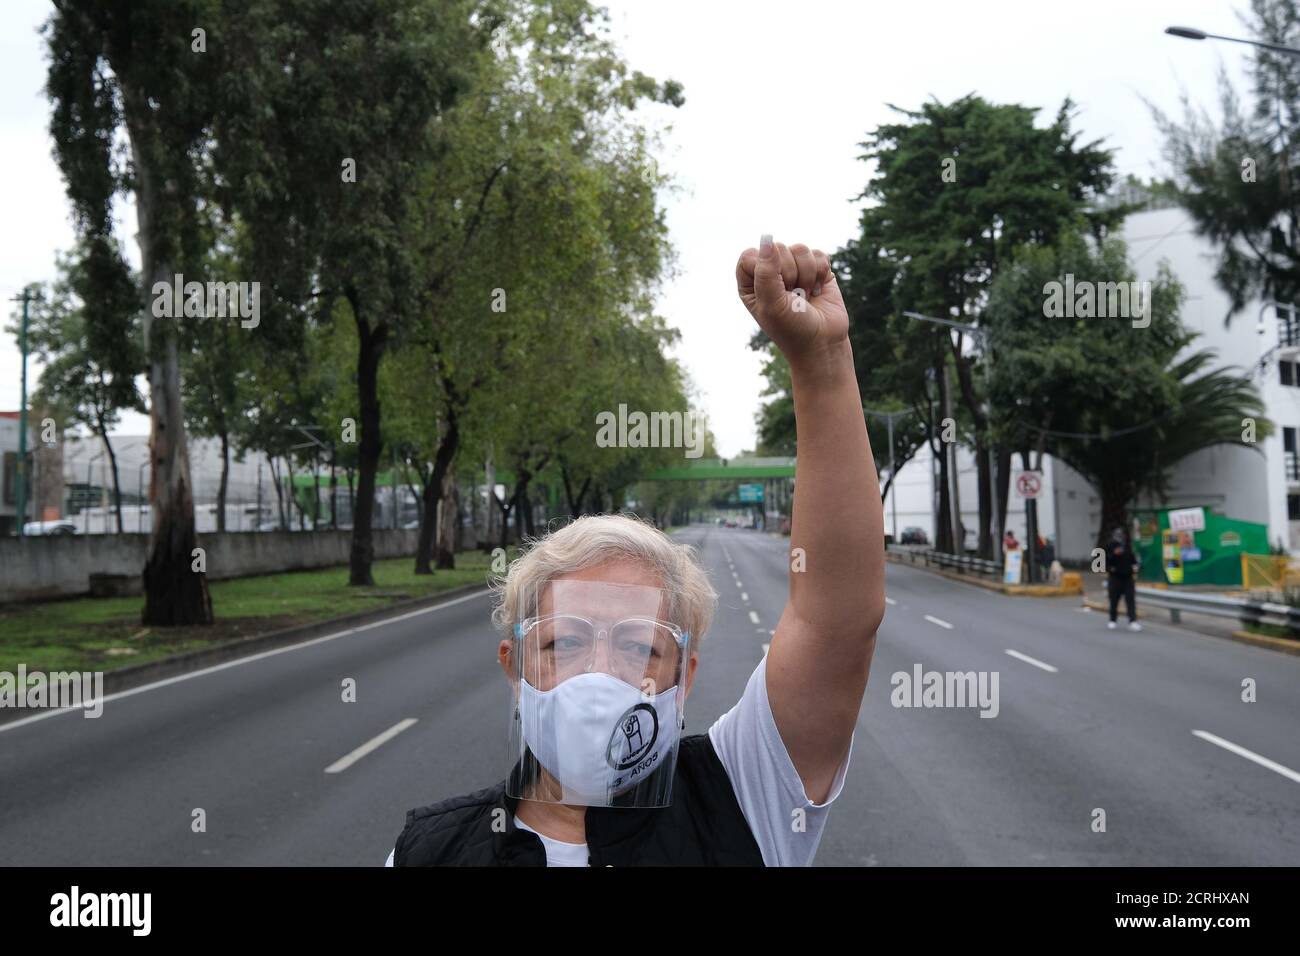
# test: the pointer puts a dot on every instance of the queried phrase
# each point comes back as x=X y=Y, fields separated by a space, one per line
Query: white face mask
x=598 y=735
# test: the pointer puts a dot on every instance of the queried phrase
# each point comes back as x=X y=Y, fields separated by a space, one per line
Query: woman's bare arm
x=820 y=656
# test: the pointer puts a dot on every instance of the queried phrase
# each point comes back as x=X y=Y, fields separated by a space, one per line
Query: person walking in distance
x=1121 y=567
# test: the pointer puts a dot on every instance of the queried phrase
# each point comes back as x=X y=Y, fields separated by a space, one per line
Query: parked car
x=913 y=536
x=59 y=526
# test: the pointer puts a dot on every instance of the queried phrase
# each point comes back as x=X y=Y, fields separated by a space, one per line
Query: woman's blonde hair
x=596 y=539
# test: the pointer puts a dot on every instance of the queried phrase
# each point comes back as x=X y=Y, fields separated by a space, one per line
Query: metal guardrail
x=1247 y=611
x=960 y=562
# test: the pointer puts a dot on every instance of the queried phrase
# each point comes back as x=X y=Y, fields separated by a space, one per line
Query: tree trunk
x=943 y=531
x=953 y=470
x=489 y=519
x=1031 y=526
x=174 y=594
x=293 y=495
x=370 y=349
x=117 y=486
x=225 y=475
x=1114 y=511
x=984 y=540
x=505 y=521
x=352 y=496
x=1003 y=489
x=442 y=460
x=334 y=493
x=966 y=385
x=575 y=503
x=279 y=492
x=448 y=521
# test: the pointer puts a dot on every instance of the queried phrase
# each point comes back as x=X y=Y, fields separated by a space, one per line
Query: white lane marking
x=744 y=597
x=772 y=632
x=1030 y=660
x=245 y=660
x=935 y=620
x=373 y=743
x=890 y=600
x=1241 y=751
x=765 y=647
x=753 y=617
x=739 y=585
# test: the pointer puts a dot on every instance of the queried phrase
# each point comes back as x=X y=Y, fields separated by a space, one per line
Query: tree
x=87 y=381
x=956 y=188
x=1121 y=405
x=323 y=159
x=132 y=66
x=216 y=376
x=1237 y=179
x=539 y=143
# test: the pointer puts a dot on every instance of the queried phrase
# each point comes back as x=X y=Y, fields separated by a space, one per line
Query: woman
x=601 y=626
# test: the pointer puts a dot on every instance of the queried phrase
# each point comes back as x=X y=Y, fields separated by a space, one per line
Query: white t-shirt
x=767 y=785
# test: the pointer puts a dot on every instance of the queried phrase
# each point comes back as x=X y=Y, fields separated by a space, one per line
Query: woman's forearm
x=837 y=522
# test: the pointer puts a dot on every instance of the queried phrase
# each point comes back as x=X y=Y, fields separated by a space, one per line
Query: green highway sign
x=750 y=492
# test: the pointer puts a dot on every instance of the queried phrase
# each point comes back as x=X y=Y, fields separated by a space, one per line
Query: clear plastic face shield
x=599 y=690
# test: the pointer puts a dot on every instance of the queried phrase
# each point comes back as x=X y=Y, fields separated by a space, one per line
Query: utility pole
x=893 y=471
x=950 y=452
x=20 y=472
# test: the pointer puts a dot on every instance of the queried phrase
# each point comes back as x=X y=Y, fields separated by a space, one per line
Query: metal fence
x=956 y=562
x=1245 y=610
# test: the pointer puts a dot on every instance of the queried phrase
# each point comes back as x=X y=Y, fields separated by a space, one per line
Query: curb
x=136 y=675
x=1011 y=590
x=1242 y=637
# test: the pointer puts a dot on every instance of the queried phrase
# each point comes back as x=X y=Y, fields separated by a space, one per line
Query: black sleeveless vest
x=703 y=826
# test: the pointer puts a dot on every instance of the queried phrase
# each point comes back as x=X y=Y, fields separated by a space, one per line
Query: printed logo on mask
x=633 y=737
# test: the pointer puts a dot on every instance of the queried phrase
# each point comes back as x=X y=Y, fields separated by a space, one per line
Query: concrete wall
x=60 y=566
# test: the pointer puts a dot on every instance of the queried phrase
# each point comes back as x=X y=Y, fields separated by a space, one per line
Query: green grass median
x=103 y=633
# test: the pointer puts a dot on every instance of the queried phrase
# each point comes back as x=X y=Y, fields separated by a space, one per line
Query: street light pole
x=1191 y=33
x=20 y=472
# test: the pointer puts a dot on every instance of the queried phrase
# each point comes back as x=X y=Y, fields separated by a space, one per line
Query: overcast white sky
x=778 y=95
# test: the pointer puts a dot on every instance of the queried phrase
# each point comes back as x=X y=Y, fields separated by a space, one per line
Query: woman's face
x=636 y=652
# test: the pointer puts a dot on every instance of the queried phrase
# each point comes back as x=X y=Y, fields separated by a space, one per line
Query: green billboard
x=1195 y=549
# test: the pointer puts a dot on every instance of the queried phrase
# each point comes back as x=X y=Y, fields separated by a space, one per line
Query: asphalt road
x=286 y=772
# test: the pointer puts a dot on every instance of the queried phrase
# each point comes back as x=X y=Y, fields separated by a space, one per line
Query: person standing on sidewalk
x=1121 y=568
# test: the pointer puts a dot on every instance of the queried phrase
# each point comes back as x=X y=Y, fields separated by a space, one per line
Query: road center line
x=1241 y=751
x=935 y=620
x=890 y=600
x=1030 y=660
x=753 y=617
x=373 y=743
